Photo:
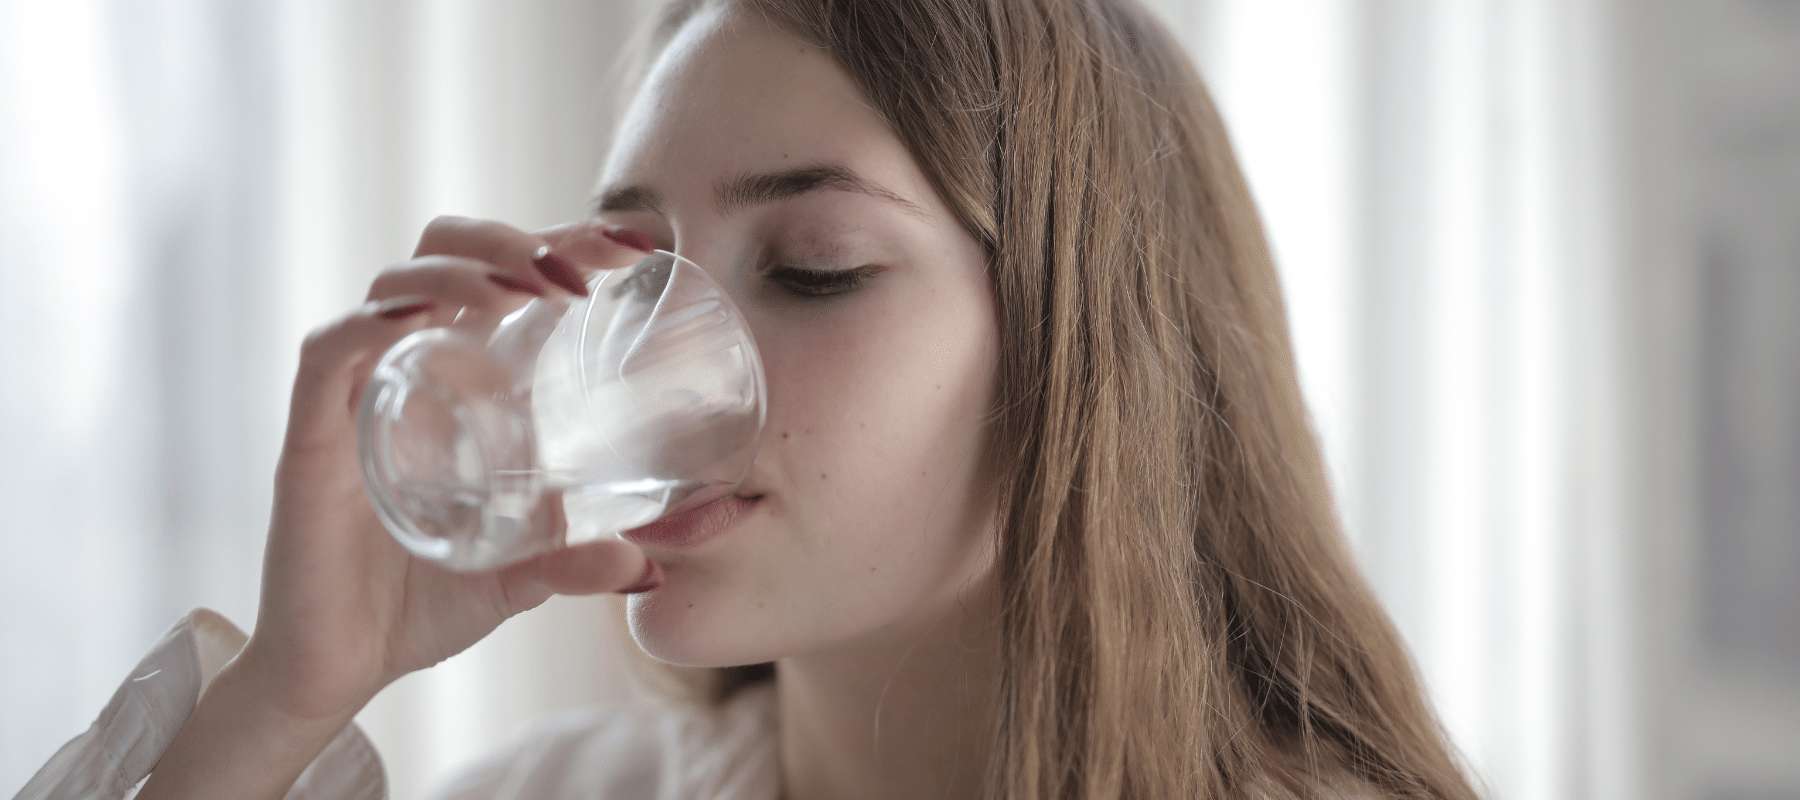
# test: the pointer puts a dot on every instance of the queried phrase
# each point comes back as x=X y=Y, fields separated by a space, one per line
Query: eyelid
x=797 y=265
x=793 y=266
x=823 y=282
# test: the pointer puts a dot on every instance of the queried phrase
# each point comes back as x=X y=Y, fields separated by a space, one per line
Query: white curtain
x=1439 y=186
x=141 y=339
x=1541 y=260
x=186 y=187
x=1478 y=207
x=1428 y=174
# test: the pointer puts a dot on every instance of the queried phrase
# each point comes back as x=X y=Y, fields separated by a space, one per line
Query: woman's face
x=753 y=154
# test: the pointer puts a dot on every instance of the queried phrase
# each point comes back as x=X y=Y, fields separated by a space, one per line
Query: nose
x=729 y=250
x=730 y=260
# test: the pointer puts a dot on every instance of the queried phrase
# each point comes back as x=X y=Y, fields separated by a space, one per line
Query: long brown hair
x=1180 y=616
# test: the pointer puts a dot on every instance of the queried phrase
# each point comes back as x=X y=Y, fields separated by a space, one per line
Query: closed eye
x=821 y=283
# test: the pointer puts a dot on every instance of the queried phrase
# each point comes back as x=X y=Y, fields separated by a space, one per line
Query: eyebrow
x=629 y=199
x=760 y=188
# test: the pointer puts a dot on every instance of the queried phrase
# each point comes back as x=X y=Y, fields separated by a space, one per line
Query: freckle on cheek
x=821 y=476
x=784 y=434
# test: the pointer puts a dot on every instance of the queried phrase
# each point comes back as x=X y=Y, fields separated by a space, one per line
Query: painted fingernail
x=652 y=578
x=559 y=271
x=513 y=284
x=636 y=240
x=403 y=307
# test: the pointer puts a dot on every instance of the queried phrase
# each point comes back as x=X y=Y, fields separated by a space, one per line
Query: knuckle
x=333 y=340
x=315 y=352
x=396 y=268
x=440 y=232
x=384 y=279
x=449 y=225
x=320 y=336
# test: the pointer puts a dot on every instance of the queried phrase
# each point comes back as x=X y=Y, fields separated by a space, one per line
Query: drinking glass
x=571 y=419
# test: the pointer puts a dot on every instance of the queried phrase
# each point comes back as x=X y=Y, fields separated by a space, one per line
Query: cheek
x=875 y=416
x=875 y=508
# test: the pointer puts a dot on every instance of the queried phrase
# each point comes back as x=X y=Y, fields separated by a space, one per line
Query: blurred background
x=1542 y=259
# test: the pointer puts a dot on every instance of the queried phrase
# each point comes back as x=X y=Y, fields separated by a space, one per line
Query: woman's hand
x=345 y=610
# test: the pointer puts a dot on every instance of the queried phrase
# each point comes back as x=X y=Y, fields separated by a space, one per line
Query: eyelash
x=820 y=283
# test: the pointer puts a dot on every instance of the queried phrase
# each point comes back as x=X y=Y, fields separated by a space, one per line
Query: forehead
x=732 y=93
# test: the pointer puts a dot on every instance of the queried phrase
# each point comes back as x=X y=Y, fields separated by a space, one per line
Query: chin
x=681 y=626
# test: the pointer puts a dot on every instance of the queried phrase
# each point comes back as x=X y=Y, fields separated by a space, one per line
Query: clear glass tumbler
x=571 y=419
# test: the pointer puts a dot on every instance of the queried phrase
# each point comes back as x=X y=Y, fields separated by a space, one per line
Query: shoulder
x=642 y=750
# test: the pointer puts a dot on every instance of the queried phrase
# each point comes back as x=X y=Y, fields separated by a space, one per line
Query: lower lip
x=693 y=529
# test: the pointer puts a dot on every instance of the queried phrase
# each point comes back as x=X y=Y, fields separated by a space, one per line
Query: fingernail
x=636 y=240
x=652 y=578
x=513 y=284
x=559 y=271
x=402 y=307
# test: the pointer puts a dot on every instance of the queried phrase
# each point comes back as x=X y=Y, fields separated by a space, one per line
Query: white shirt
x=645 y=751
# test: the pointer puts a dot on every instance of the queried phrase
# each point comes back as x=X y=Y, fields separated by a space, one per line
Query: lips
x=695 y=528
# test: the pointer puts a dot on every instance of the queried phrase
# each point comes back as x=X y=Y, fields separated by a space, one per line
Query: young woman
x=1038 y=513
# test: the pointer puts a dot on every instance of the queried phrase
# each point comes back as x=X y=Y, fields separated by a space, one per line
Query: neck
x=907 y=713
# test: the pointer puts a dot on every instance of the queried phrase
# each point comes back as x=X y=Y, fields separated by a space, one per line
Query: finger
x=336 y=359
x=608 y=565
x=522 y=256
x=497 y=243
x=459 y=282
x=593 y=244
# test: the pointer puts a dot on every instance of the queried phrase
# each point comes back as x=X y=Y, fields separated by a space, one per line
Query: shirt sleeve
x=116 y=753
